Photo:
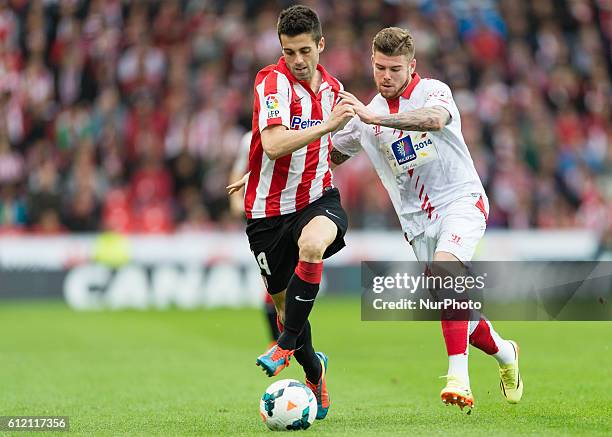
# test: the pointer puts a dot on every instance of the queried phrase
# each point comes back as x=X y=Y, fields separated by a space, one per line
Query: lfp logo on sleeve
x=272 y=105
x=271 y=102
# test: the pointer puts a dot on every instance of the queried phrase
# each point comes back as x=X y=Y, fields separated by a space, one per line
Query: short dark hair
x=393 y=41
x=297 y=20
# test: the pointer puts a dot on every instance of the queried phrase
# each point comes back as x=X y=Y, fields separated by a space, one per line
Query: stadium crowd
x=127 y=115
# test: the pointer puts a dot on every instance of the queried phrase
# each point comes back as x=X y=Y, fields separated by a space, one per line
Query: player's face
x=392 y=73
x=302 y=54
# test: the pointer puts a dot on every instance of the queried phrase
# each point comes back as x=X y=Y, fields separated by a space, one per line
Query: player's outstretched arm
x=423 y=119
x=278 y=141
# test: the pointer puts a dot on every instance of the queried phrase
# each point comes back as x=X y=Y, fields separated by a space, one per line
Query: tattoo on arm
x=337 y=157
x=423 y=119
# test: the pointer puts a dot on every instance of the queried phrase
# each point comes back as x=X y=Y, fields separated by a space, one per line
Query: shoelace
x=280 y=353
x=507 y=377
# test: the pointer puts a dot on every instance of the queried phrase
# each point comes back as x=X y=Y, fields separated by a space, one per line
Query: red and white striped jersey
x=288 y=184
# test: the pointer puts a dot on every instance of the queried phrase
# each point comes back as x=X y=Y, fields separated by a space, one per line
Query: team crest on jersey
x=271 y=102
x=403 y=150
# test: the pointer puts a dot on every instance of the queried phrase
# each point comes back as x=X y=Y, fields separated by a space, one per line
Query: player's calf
x=306 y=355
x=303 y=286
x=301 y=293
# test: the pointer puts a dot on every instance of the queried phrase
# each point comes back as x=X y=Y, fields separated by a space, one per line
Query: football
x=288 y=405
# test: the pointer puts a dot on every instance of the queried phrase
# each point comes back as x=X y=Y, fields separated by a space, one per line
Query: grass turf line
x=193 y=373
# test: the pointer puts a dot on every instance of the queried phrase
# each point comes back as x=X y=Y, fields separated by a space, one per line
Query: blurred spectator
x=151 y=193
x=126 y=116
x=12 y=210
x=44 y=201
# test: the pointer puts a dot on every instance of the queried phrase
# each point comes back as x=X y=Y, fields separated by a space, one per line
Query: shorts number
x=263 y=263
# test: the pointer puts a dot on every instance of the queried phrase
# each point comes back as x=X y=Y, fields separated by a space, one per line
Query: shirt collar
x=413 y=83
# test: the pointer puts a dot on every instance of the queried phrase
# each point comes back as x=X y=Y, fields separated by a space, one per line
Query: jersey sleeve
x=439 y=94
x=348 y=140
x=274 y=101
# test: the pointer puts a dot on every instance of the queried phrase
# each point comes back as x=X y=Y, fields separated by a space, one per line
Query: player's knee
x=311 y=248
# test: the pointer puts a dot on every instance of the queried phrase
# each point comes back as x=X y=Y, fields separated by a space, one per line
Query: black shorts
x=273 y=240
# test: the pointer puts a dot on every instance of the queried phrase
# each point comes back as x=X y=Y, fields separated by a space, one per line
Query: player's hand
x=234 y=187
x=361 y=110
x=340 y=116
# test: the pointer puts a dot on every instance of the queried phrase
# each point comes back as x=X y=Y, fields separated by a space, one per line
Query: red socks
x=455 y=336
x=482 y=338
x=309 y=272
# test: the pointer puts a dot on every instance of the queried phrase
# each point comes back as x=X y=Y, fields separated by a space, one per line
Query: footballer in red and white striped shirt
x=284 y=184
x=294 y=215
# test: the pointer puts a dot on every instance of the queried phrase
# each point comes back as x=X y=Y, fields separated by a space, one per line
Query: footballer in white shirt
x=411 y=132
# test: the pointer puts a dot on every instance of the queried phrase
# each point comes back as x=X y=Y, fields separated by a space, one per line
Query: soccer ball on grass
x=288 y=405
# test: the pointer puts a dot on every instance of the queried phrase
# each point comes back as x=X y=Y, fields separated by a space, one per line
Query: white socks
x=458 y=366
x=506 y=354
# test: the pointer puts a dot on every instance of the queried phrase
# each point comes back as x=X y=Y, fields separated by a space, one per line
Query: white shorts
x=458 y=230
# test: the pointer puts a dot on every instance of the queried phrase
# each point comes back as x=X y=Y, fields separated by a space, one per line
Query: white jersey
x=422 y=171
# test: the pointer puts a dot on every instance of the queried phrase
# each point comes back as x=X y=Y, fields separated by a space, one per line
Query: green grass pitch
x=194 y=373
